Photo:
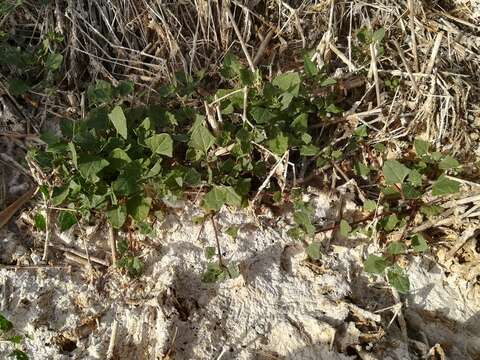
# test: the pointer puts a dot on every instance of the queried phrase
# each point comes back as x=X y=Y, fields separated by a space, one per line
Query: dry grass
x=147 y=41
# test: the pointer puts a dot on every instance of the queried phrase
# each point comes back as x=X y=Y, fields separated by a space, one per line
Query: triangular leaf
x=138 y=207
x=419 y=244
x=421 y=147
x=89 y=166
x=394 y=172
x=313 y=251
x=398 y=279
x=396 y=248
x=117 y=117
x=288 y=82
x=201 y=139
x=66 y=220
x=117 y=215
x=161 y=144
x=375 y=264
x=214 y=199
x=344 y=228
x=448 y=162
x=445 y=186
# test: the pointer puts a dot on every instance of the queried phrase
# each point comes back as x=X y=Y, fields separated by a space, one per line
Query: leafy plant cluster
x=7 y=334
x=31 y=64
x=403 y=185
x=128 y=162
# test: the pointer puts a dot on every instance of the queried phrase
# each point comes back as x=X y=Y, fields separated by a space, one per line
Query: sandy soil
x=279 y=307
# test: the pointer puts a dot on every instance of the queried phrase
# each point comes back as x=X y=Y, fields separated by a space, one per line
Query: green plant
x=404 y=185
x=122 y=162
x=132 y=264
x=6 y=332
x=30 y=64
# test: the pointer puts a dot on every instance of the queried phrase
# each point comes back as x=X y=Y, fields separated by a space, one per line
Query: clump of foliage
x=31 y=64
x=7 y=334
x=124 y=162
x=405 y=183
x=132 y=264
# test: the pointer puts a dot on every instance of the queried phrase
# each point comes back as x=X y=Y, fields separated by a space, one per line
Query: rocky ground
x=279 y=307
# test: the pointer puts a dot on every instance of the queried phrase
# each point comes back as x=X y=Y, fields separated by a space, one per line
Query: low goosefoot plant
x=403 y=185
x=127 y=163
x=7 y=334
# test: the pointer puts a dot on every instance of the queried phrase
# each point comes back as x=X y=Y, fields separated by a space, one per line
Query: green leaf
x=421 y=147
x=232 y=231
x=398 y=279
x=302 y=218
x=214 y=199
x=309 y=66
x=40 y=222
x=17 y=87
x=375 y=264
x=210 y=252
x=306 y=138
x=419 y=244
x=328 y=82
x=73 y=153
x=313 y=250
x=54 y=61
x=125 y=184
x=300 y=123
x=18 y=355
x=117 y=216
x=119 y=158
x=410 y=192
x=415 y=178
x=344 y=228
x=201 y=139
x=309 y=150
x=437 y=156
x=448 y=162
x=288 y=82
x=100 y=93
x=231 y=66
x=125 y=88
x=89 y=166
x=138 y=207
x=378 y=35
x=5 y=325
x=279 y=144
x=394 y=172
x=337 y=154
x=15 y=339
x=262 y=115
x=370 y=205
x=66 y=219
x=213 y=273
x=361 y=131
x=334 y=109
x=59 y=195
x=247 y=77
x=119 y=121
x=161 y=144
x=396 y=248
x=431 y=211
x=445 y=186
x=361 y=169
x=390 y=222
x=231 y=196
